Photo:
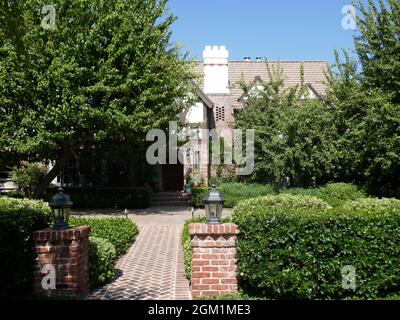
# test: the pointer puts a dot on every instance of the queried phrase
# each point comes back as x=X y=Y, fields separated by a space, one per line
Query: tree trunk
x=52 y=174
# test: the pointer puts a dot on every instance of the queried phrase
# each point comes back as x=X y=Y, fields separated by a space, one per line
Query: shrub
x=132 y=197
x=187 y=249
x=198 y=194
x=334 y=194
x=194 y=177
x=14 y=194
x=298 y=253
x=373 y=203
x=233 y=193
x=284 y=200
x=121 y=232
x=338 y=193
x=28 y=176
x=102 y=256
x=19 y=218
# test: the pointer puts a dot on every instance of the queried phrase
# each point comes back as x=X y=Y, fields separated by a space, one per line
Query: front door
x=173 y=177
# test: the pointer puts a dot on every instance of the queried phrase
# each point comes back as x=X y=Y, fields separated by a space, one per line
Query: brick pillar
x=213 y=259
x=68 y=252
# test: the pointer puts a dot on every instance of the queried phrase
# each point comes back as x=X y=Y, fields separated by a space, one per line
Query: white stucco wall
x=195 y=113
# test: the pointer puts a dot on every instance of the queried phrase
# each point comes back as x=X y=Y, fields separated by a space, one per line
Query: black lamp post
x=60 y=206
x=213 y=203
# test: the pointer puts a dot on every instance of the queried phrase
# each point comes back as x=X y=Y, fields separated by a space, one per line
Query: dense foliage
x=298 y=251
x=27 y=176
x=353 y=133
x=232 y=193
x=120 y=232
x=19 y=218
x=187 y=249
x=102 y=256
x=333 y=193
x=294 y=135
x=132 y=198
x=107 y=72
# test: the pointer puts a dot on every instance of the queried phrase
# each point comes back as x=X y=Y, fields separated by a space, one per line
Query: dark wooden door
x=173 y=177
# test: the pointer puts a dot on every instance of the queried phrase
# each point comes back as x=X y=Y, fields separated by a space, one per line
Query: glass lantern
x=60 y=206
x=213 y=204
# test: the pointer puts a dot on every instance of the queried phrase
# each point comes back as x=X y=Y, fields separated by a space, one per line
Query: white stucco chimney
x=216 y=74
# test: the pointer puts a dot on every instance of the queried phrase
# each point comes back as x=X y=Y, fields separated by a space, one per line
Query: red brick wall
x=213 y=259
x=68 y=252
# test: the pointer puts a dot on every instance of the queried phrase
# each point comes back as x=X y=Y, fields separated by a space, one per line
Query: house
x=219 y=95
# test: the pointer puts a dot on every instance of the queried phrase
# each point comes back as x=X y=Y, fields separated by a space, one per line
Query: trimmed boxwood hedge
x=102 y=257
x=187 y=249
x=233 y=193
x=335 y=194
x=297 y=252
x=121 y=232
x=109 y=239
x=19 y=218
x=95 y=198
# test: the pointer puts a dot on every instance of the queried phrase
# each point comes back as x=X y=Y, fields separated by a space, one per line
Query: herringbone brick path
x=153 y=267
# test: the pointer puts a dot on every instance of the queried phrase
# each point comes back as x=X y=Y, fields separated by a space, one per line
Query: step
x=171 y=203
x=171 y=196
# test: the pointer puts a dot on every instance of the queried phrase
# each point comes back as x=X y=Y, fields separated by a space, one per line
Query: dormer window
x=254 y=91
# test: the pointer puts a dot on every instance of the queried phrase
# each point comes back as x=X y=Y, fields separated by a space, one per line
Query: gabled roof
x=257 y=80
x=315 y=92
x=203 y=97
x=314 y=74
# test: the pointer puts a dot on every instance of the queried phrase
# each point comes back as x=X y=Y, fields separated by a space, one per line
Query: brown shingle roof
x=314 y=74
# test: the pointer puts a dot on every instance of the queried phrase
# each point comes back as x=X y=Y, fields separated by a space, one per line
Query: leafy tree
x=364 y=97
x=294 y=136
x=377 y=45
x=108 y=70
x=28 y=176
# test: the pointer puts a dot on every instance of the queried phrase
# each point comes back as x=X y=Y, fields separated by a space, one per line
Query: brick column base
x=68 y=252
x=213 y=259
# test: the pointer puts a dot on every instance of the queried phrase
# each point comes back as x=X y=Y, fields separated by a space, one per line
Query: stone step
x=171 y=196
x=171 y=203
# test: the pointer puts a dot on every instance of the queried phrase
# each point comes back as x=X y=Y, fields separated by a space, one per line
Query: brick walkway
x=152 y=269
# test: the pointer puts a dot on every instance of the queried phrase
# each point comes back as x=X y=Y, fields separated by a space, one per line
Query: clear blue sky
x=276 y=29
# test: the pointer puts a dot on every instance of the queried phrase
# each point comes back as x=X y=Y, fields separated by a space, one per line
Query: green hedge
x=334 y=194
x=373 y=203
x=19 y=218
x=102 y=256
x=187 y=249
x=232 y=192
x=121 y=232
x=133 y=198
x=298 y=252
x=109 y=239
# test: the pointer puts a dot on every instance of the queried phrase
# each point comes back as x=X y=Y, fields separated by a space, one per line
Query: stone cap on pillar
x=213 y=236
x=218 y=229
x=67 y=234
